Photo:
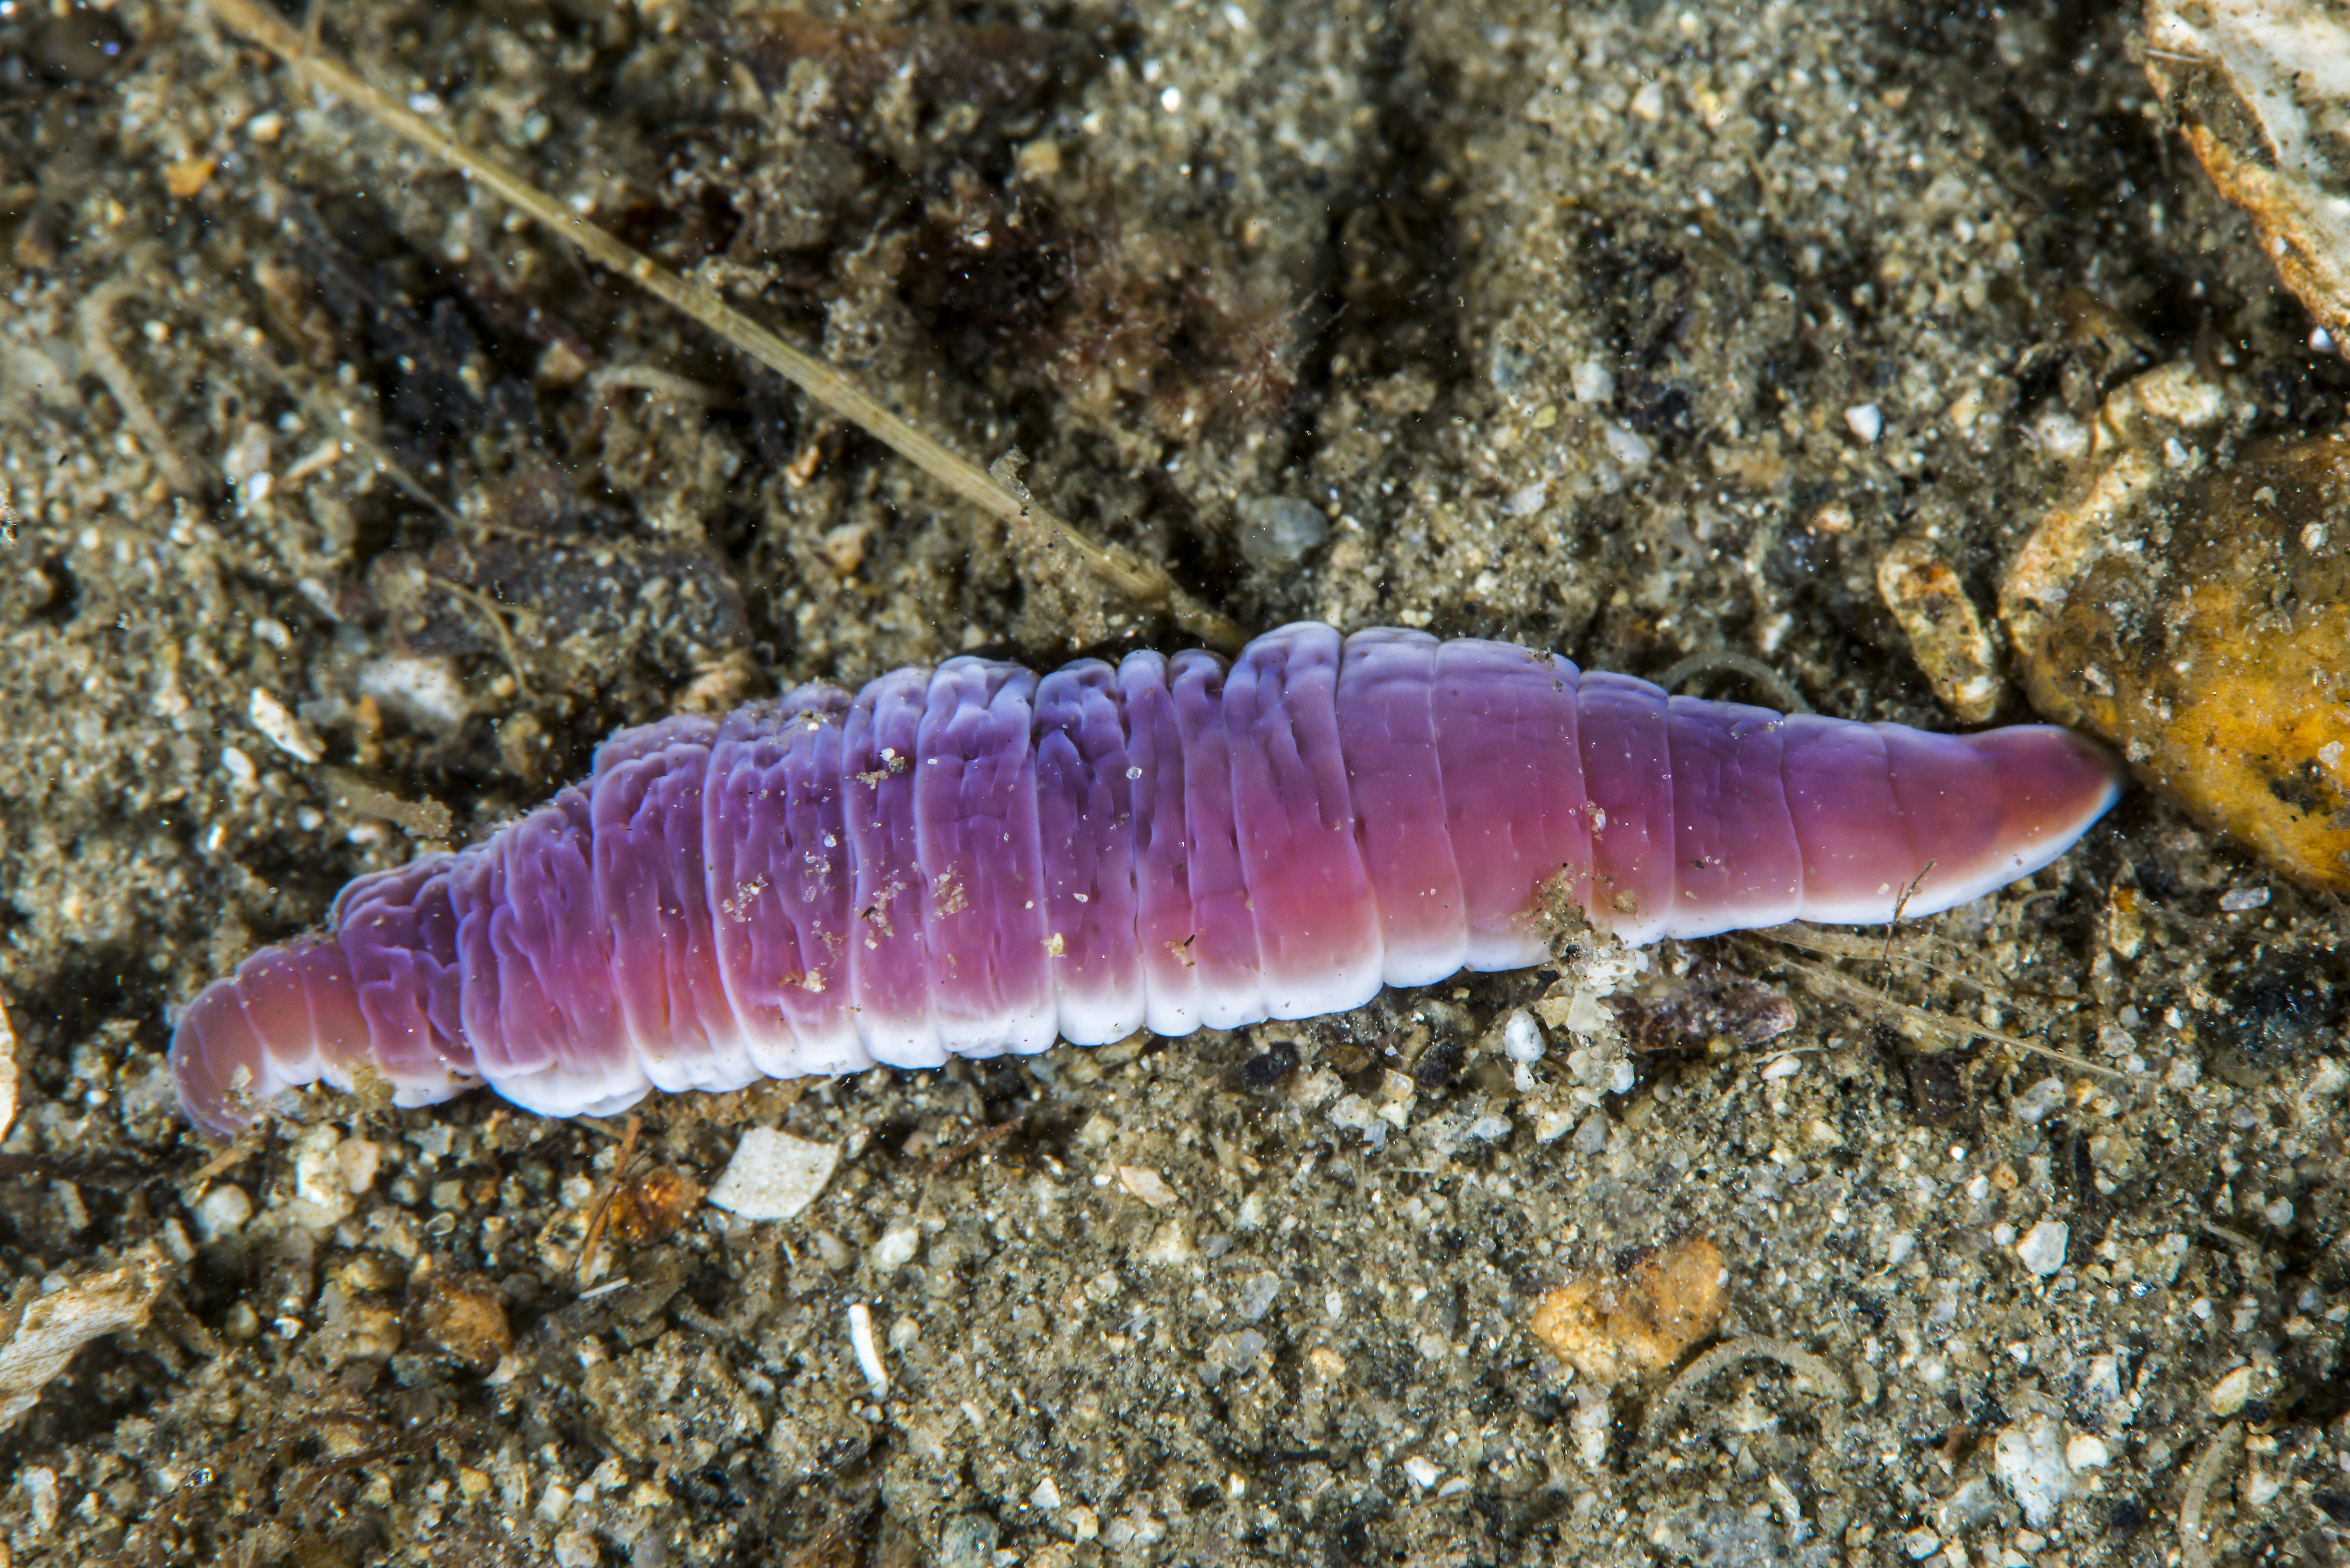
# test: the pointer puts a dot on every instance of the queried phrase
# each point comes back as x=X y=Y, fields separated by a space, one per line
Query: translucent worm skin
x=970 y=860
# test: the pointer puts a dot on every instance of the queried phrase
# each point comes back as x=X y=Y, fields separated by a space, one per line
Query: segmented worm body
x=972 y=860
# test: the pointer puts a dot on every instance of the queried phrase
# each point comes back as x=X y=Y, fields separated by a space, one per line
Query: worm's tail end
x=2005 y=802
x=289 y=1017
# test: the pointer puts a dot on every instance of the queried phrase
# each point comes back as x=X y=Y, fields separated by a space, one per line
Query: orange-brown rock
x=1641 y=1317
x=2197 y=615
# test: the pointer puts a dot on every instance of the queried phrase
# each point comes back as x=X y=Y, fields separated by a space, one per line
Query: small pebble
x=1609 y=1326
x=222 y=1211
x=1864 y=422
x=278 y=725
x=897 y=1246
x=2029 y=1461
x=2042 y=1250
x=1947 y=637
x=1277 y=531
x=967 y=1542
x=463 y=1316
x=1522 y=1038
x=1148 y=1185
x=2231 y=1393
x=1627 y=447
x=2088 y=1453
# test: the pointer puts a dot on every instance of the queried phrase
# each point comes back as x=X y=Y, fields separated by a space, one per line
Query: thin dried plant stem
x=96 y=315
x=1956 y=1033
x=602 y=1213
x=1138 y=582
x=488 y=610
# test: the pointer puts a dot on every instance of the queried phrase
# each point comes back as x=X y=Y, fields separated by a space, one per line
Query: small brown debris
x=1938 y=1089
x=463 y=1316
x=1641 y=1317
x=36 y=248
x=1704 y=1011
x=962 y=75
x=649 y=1206
x=977 y=1143
x=1946 y=636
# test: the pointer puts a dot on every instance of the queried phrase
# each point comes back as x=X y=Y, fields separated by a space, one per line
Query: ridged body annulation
x=972 y=860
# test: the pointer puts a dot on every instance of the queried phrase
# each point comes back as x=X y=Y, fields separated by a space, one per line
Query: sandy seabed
x=1633 y=331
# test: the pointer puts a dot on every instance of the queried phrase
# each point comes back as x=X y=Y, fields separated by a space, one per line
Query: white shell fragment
x=41 y=1335
x=2257 y=89
x=773 y=1176
x=281 y=728
x=1148 y=1185
x=860 y=1344
x=7 y=1074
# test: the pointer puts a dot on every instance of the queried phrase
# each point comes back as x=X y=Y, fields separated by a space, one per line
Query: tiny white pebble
x=1627 y=447
x=1423 y=1473
x=2236 y=900
x=1786 y=1066
x=2043 y=1248
x=1865 y=420
x=2088 y=1453
x=1148 y=1185
x=897 y=1246
x=1522 y=1039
